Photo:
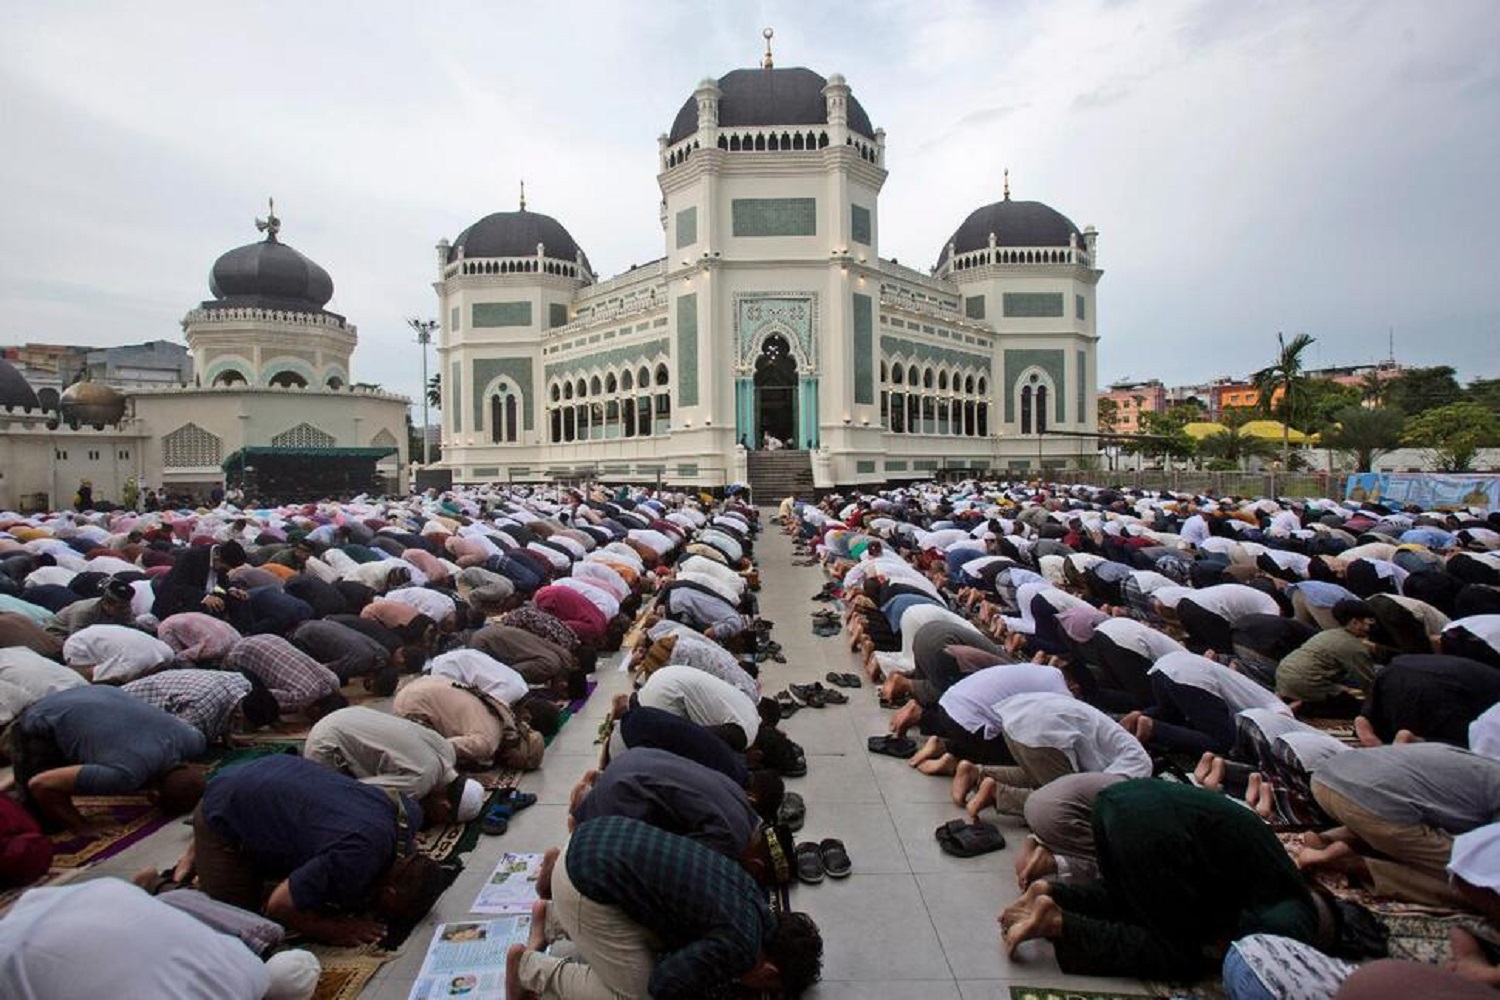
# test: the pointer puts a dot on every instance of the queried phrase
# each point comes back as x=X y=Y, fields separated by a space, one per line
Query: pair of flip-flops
x=827 y=857
x=844 y=680
x=508 y=802
x=824 y=629
x=815 y=695
x=787 y=703
x=963 y=839
x=792 y=812
x=891 y=745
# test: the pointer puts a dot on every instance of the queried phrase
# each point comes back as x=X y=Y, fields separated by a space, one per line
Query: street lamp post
x=424 y=330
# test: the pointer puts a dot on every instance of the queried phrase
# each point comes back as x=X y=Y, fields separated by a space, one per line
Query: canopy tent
x=1269 y=430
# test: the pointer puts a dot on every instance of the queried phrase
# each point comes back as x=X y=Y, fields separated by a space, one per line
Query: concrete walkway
x=909 y=922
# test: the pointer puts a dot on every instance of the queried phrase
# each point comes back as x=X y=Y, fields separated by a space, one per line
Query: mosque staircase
x=775 y=475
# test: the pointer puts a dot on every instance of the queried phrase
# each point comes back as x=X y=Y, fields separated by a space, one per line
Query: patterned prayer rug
x=130 y=819
x=346 y=971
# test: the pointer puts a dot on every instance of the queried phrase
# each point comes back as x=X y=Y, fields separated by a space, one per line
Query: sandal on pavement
x=809 y=857
x=891 y=746
x=516 y=799
x=831 y=696
x=963 y=839
x=835 y=859
x=789 y=706
x=811 y=695
x=497 y=820
x=843 y=680
x=793 y=811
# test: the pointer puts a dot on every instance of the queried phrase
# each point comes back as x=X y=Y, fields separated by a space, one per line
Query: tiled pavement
x=910 y=922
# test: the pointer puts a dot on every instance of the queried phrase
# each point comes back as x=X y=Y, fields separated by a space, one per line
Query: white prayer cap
x=294 y=975
x=471 y=801
x=1476 y=857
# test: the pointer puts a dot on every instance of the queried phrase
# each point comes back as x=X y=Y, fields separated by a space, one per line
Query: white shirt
x=699 y=697
x=1238 y=691
x=1136 y=637
x=1092 y=741
x=107 y=938
x=972 y=702
x=478 y=669
x=26 y=676
x=117 y=653
x=1233 y=601
x=429 y=602
x=604 y=577
x=1294 y=561
x=1485 y=628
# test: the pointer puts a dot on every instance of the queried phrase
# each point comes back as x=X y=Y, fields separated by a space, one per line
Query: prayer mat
x=1423 y=937
x=1062 y=993
x=1340 y=729
x=244 y=755
x=131 y=818
x=454 y=839
x=346 y=971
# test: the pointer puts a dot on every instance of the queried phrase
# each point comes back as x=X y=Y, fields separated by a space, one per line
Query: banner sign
x=1434 y=491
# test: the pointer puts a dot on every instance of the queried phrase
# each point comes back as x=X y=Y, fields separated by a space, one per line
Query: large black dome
x=749 y=97
x=1015 y=224
x=15 y=391
x=268 y=275
x=516 y=234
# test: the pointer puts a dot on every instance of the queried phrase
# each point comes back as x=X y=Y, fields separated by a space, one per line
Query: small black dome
x=1015 y=224
x=268 y=275
x=15 y=391
x=516 y=234
x=750 y=97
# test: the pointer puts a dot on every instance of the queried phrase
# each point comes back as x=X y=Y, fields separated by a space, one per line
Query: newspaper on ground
x=467 y=959
x=511 y=887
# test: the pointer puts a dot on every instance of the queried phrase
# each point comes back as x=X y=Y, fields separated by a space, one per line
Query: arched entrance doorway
x=776 y=393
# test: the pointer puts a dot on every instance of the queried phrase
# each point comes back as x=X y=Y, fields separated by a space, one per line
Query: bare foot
x=1336 y=855
x=907 y=716
x=1039 y=657
x=544 y=874
x=1130 y=721
x=1407 y=736
x=1314 y=840
x=536 y=940
x=985 y=796
x=146 y=878
x=1145 y=728
x=1215 y=780
x=1043 y=921
x=1035 y=862
x=1365 y=733
x=1468 y=957
x=930 y=750
x=1024 y=903
x=965 y=778
x=1205 y=763
x=513 y=989
x=940 y=767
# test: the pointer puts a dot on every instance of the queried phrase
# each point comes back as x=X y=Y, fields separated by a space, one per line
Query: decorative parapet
x=538 y=263
x=775 y=139
x=1016 y=257
x=240 y=315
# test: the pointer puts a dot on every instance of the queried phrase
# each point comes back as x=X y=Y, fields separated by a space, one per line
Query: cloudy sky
x=1252 y=167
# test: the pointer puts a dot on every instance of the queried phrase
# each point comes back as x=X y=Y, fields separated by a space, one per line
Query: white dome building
x=770 y=314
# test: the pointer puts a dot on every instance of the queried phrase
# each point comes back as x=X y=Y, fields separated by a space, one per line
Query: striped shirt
x=709 y=914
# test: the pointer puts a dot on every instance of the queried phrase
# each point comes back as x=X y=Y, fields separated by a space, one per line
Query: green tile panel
x=774 y=216
x=687 y=350
x=859 y=224
x=687 y=227
x=493 y=314
x=864 y=350
x=1030 y=305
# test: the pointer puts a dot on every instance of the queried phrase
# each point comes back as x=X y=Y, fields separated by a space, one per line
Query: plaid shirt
x=204 y=699
x=296 y=679
x=197 y=637
x=709 y=914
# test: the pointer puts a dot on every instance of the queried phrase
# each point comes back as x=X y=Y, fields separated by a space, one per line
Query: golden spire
x=523 y=196
x=1007 y=184
x=767 y=63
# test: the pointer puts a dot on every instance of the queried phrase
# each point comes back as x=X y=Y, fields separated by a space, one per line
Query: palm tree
x=1281 y=386
x=1372 y=387
x=1366 y=433
x=435 y=391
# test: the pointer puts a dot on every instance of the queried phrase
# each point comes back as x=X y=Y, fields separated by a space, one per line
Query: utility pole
x=424 y=330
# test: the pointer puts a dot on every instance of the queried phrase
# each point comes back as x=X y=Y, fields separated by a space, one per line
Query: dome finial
x=767 y=62
x=1007 y=183
x=270 y=225
x=523 y=195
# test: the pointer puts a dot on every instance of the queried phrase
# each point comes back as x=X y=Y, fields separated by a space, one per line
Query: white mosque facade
x=772 y=313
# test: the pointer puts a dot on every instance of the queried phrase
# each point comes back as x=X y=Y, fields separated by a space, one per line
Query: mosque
x=270 y=410
x=771 y=315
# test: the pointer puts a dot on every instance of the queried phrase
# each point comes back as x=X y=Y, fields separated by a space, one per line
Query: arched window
x=288 y=379
x=627 y=381
x=1041 y=409
x=556 y=392
x=885 y=374
x=580 y=388
x=662 y=375
x=570 y=423
x=912 y=378
x=969 y=384
x=927 y=378
x=229 y=377
x=1026 y=409
x=594 y=387
x=980 y=388
x=627 y=414
x=334 y=382
x=643 y=377
x=898 y=375
x=556 y=420
x=504 y=417
x=943 y=381
x=568 y=391
x=898 y=412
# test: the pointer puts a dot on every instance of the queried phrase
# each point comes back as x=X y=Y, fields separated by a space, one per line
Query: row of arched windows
x=933 y=401
x=611 y=405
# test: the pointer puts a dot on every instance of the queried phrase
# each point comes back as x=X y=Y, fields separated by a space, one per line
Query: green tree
x=1485 y=392
x=1323 y=397
x=1162 y=434
x=1419 y=389
x=1367 y=433
x=1231 y=448
x=1453 y=433
x=1109 y=415
x=1282 y=387
x=435 y=391
x=1372 y=387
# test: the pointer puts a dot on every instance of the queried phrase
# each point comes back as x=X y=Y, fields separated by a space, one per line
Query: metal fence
x=1269 y=484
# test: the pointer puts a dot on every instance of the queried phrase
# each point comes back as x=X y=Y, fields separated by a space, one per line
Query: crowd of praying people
x=413 y=649
x=1208 y=712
